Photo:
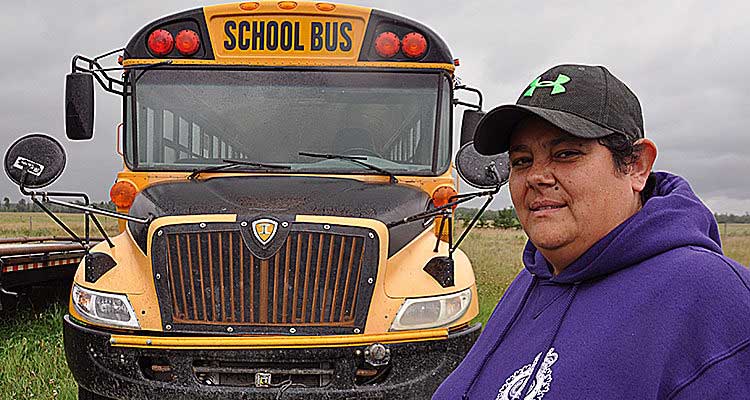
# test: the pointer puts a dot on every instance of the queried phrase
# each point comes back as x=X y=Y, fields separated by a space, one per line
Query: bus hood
x=285 y=195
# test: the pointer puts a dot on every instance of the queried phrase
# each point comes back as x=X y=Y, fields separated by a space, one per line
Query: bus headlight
x=431 y=312
x=104 y=308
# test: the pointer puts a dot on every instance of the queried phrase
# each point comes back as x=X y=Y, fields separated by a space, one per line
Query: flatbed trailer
x=29 y=261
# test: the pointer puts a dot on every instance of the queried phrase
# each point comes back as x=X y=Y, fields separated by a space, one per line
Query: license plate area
x=316 y=374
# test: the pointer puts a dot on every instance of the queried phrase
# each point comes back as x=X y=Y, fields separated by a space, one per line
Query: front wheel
x=84 y=394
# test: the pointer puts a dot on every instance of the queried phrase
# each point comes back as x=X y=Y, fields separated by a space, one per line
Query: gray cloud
x=684 y=59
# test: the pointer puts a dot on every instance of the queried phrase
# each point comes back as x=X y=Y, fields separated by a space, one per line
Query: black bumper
x=415 y=369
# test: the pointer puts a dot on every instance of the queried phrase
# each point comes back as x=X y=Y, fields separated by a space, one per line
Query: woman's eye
x=567 y=154
x=520 y=162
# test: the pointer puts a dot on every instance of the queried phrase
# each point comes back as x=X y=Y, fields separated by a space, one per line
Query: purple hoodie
x=653 y=310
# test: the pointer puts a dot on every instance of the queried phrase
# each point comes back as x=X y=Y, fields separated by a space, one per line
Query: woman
x=625 y=291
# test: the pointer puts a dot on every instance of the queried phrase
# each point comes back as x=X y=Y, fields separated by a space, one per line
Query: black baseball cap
x=582 y=100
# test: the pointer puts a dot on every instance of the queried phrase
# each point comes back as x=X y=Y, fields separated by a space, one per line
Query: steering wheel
x=361 y=151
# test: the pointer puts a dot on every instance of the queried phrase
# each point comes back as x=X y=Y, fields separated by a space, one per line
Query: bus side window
x=412 y=142
x=165 y=138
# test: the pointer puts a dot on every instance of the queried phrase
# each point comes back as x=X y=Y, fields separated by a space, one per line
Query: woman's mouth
x=541 y=208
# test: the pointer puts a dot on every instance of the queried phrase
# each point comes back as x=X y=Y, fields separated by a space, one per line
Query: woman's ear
x=642 y=166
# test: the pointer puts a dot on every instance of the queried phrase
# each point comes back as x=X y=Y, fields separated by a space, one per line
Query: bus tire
x=84 y=394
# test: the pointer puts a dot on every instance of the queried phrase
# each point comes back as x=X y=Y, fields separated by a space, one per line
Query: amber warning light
x=444 y=195
x=122 y=194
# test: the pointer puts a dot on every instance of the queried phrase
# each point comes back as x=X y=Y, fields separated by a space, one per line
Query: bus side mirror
x=79 y=106
x=480 y=171
x=469 y=125
x=34 y=161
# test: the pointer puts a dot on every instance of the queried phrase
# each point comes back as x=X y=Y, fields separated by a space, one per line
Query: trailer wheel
x=84 y=394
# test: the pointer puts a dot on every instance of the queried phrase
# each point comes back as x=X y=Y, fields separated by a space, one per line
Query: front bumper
x=415 y=369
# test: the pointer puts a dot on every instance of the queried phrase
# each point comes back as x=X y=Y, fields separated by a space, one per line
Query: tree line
x=507 y=218
x=504 y=219
x=732 y=219
x=24 y=205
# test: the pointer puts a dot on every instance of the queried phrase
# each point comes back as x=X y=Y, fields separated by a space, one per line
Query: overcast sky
x=686 y=61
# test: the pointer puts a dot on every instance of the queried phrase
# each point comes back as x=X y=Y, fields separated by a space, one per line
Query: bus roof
x=289 y=33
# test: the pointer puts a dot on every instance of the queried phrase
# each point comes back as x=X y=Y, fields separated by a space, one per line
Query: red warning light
x=187 y=42
x=387 y=44
x=160 y=42
x=414 y=45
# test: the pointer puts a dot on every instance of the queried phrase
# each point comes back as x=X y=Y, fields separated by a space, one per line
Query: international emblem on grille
x=264 y=230
x=262 y=380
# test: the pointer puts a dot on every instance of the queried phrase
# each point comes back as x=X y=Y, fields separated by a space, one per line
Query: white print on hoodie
x=515 y=383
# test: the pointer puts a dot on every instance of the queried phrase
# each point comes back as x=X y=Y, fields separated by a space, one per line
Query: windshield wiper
x=228 y=163
x=355 y=159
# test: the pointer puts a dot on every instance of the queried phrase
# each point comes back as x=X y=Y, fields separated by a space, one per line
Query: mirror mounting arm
x=92 y=210
x=89 y=213
x=480 y=101
x=471 y=224
x=60 y=223
x=446 y=216
x=92 y=66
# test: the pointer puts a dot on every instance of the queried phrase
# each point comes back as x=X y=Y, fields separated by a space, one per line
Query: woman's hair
x=624 y=151
x=624 y=154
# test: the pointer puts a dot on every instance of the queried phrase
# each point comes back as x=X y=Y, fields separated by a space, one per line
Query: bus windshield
x=188 y=119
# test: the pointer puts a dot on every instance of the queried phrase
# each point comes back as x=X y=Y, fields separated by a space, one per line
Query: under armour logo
x=558 y=86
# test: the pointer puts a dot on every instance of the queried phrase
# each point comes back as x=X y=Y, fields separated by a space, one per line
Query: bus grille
x=315 y=279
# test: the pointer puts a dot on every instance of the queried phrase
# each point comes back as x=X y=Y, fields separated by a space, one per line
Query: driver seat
x=353 y=138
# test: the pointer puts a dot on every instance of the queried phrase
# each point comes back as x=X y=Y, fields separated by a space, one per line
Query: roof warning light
x=414 y=45
x=187 y=42
x=160 y=42
x=387 y=44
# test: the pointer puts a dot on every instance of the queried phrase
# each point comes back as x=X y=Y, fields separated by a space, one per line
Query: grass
x=32 y=360
x=495 y=255
x=39 y=224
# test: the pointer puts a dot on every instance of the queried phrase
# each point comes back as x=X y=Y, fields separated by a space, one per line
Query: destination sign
x=287 y=36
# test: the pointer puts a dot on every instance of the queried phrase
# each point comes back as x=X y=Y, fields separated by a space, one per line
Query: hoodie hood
x=672 y=217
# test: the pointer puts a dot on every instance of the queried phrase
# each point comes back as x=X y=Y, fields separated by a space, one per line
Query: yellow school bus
x=275 y=157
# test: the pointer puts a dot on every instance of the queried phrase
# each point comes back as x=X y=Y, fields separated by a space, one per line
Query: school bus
x=275 y=155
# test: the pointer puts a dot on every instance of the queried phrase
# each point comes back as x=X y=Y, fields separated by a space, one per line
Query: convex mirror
x=480 y=171
x=35 y=161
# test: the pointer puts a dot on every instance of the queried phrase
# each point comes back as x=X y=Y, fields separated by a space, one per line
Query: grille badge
x=262 y=380
x=264 y=230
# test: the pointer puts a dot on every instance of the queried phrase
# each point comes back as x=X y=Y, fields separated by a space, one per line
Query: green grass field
x=32 y=361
